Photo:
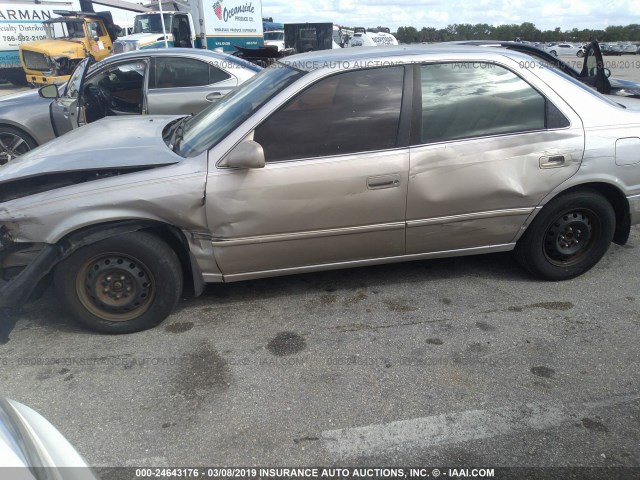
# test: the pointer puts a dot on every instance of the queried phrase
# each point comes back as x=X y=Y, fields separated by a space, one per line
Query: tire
x=554 y=53
x=555 y=246
x=580 y=53
x=122 y=284
x=16 y=77
x=13 y=143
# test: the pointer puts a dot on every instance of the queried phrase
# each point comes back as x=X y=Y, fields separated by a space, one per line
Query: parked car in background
x=630 y=49
x=592 y=73
x=565 y=49
x=160 y=81
x=324 y=160
x=610 y=49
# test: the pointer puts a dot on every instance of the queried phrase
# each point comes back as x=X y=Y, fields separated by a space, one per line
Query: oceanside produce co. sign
x=236 y=22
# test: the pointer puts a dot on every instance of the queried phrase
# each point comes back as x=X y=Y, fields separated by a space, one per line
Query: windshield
x=64 y=30
x=274 y=35
x=151 y=23
x=211 y=125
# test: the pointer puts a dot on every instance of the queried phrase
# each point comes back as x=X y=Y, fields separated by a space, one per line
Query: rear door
x=184 y=85
x=490 y=147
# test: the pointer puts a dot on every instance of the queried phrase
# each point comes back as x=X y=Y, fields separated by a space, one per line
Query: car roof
x=359 y=56
x=180 y=52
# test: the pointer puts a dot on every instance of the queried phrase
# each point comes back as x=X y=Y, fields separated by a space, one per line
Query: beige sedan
x=325 y=160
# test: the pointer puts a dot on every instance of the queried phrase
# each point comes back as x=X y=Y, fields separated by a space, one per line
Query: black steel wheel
x=568 y=237
x=122 y=284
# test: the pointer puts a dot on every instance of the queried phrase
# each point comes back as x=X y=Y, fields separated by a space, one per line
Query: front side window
x=211 y=125
x=349 y=112
x=150 y=23
x=467 y=100
x=73 y=85
x=95 y=30
x=115 y=90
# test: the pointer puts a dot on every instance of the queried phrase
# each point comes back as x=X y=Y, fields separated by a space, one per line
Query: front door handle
x=383 y=181
x=214 y=96
x=555 y=161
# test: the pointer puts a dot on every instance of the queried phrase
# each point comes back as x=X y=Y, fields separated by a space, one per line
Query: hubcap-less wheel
x=570 y=237
x=115 y=287
x=11 y=146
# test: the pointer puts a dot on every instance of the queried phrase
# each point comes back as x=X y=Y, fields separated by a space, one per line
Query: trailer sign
x=21 y=23
x=233 y=22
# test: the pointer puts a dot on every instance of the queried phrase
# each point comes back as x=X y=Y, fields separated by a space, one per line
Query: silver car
x=158 y=81
x=325 y=160
x=32 y=448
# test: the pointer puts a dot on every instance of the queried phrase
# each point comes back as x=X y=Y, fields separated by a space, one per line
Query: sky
x=545 y=14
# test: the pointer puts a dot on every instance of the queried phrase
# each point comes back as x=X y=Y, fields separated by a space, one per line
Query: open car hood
x=114 y=143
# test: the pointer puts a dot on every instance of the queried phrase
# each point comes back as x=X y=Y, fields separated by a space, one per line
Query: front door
x=334 y=187
x=64 y=109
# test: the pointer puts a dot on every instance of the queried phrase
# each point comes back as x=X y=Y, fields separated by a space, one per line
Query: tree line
x=526 y=32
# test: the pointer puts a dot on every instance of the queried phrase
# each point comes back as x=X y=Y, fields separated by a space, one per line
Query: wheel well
x=15 y=127
x=620 y=205
x=171 y=235
x=175 y=239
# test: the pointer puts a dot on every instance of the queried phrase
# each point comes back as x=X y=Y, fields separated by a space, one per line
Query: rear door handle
x=555 y=161
x=214 y=96
x=383 y=181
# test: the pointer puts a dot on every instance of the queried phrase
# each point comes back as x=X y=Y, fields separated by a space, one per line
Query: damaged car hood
x=114 y=143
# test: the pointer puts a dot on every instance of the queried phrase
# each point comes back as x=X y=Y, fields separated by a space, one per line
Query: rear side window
x=346 y=113
x=467 y=100
x=175 y=72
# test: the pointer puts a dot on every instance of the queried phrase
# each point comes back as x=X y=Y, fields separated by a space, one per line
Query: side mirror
x=248 y=154
x=48 y=91
x=594 y=71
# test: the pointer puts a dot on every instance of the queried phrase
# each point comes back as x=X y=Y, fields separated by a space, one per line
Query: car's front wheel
x=554 y=53
x=122 y=284
x=580 y=53
x=568 y=237
x=13 y=143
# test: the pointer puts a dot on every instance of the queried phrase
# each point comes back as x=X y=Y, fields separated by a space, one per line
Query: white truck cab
x=274 y=39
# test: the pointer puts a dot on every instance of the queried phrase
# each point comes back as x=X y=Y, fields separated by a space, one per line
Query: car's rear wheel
x=13 y=143
x=580 y=53
x=122 y=284
x=554 y=53
x=568 y=237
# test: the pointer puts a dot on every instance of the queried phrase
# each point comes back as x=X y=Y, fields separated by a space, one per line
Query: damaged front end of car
x=23 y=265
x=92 y=186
